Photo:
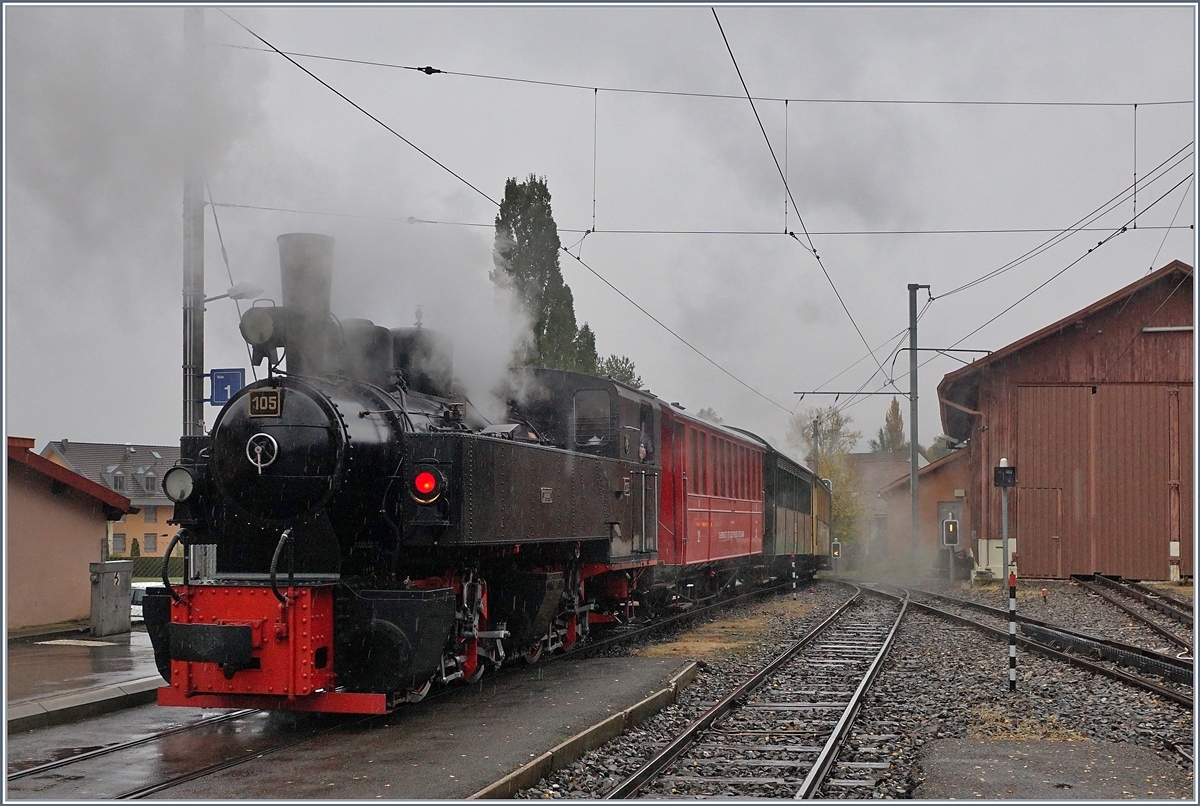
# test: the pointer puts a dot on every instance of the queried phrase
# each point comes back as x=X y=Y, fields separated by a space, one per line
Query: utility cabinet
x=110 y=596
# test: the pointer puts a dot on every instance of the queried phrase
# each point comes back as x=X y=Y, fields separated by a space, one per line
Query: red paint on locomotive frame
x=285 y=640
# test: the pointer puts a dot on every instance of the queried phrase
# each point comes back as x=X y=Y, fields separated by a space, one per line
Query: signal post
x=1005 y=477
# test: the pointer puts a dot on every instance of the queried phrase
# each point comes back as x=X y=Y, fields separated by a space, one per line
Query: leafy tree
x=831 y=453
x=620 y=368
x=936 y=450
x=526 y=259
x=709 y=414
x=891 y=436
x=134 y=549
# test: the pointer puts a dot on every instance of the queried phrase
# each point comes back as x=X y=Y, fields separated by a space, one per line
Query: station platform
x=65 y=674
x=1041 y=771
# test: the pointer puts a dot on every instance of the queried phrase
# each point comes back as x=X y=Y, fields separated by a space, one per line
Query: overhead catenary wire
x=497 y=204
x=228 y=271
x=1079 y=225
x=665 y=327
x=788 y=189
x=1118 y=231
x=758 y=233
x=336 y=92
x=430 y=71
x=1077 y=260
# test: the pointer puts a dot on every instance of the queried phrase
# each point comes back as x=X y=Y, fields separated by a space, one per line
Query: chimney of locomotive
x=306 y=272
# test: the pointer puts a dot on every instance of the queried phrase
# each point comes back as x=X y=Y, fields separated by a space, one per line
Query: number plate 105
x=266 y=402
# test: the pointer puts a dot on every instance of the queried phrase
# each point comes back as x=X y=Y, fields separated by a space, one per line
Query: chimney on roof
x=129 y=449
x=64 y=442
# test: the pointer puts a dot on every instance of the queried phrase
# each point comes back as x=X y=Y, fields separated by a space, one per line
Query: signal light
x=950 y=532
x=426 y=483
x=835 y=550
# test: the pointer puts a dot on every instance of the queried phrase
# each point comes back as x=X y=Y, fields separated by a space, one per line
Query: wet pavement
x=1009 y=769
x=55 y=664
x=447 y=748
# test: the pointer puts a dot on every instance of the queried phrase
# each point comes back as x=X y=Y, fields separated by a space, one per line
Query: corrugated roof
x=93 y=460
x=114 y=503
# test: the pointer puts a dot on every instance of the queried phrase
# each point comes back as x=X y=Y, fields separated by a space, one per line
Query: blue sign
x=225 y=383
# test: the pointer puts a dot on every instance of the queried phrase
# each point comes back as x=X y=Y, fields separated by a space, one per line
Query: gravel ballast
x=941 y=681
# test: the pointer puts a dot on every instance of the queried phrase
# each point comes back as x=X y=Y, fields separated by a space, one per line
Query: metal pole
x=912 y=411
x=1012 y=629
x=193 y=230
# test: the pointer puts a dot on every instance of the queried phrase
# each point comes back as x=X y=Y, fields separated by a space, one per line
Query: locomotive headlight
x=177 y=483
x=426 y=483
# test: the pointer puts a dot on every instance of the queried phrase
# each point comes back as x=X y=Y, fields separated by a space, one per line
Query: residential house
x=134 y=471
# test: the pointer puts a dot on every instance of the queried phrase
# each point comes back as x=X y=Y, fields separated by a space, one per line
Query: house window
x=150 y=514
x=118 y=480
x=150 y=482
x=149 y=543
x=118 y=546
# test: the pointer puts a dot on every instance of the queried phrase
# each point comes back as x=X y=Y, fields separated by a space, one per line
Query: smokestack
x=306 y=274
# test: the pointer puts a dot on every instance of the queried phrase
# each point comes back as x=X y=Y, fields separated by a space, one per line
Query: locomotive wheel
x=417 y=694
x=534 y=653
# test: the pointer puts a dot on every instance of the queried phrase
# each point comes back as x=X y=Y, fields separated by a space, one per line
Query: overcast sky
x=94 y=182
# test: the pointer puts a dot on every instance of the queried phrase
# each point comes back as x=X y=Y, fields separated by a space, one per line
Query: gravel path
x=941 y=681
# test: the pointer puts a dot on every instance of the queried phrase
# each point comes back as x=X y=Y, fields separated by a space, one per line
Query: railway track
x=778 y=734
x=1170 y=667
x=1135 y=599
x=1172 y=694
x=144 y=766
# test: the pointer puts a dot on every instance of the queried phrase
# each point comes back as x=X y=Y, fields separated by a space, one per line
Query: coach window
x=719 y=466
x=593 y=418
x=724 y=468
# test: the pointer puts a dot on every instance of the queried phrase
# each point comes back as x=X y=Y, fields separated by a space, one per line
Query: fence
x=151 y=567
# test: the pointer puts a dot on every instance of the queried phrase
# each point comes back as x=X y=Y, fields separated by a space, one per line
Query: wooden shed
x=1096 y=413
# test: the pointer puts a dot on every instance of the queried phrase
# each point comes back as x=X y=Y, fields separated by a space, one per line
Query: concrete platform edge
x=81 y=705
x=573 y=748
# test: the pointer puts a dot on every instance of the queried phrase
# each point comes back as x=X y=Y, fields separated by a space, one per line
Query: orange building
x=57 y=521
x=134 y=471
x=942 y=488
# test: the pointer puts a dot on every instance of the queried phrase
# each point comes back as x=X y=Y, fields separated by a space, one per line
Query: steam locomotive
x=365 y=533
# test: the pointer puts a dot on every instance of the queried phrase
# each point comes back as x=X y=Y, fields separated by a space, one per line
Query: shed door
x=1054 y=452
x=1039 y=547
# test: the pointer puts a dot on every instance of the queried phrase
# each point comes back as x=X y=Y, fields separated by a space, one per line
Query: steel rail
x=1146 y=596
x=677 y=746
x=150 y=789
x=1042 y=649
x=1183 y=604
x=1170 y=660
x=116 y=748
x=1178 y=640
x=829 y=753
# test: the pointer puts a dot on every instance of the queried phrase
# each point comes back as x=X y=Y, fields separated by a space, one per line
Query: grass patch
x=993 y=722
x=725 y=637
